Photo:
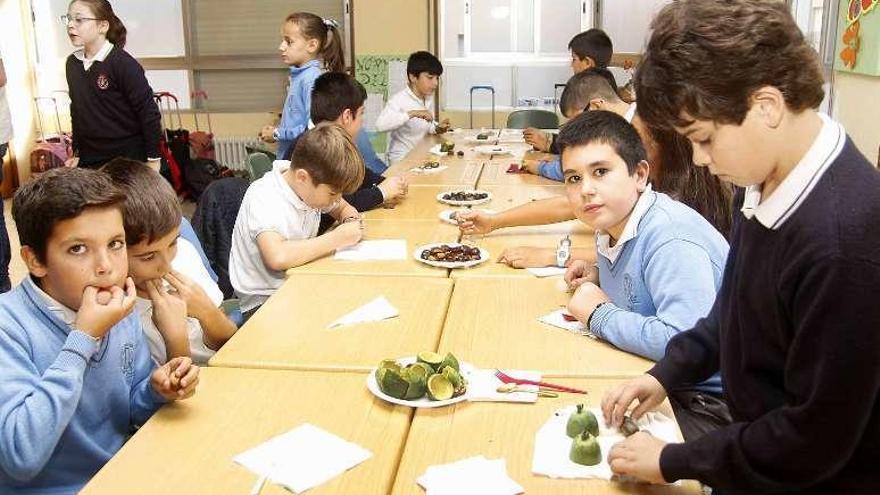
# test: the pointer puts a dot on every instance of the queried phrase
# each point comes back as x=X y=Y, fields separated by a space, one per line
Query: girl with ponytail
x=112 y=109
x=309 y=45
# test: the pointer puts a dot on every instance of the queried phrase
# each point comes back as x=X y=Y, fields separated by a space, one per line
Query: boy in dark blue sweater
x=76 y=370
x=795 y=329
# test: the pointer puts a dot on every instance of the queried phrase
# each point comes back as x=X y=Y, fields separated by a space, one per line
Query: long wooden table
x=506 y=430
x=493 y=323
x=285 y=367
x=188 y=446
x=291 y=330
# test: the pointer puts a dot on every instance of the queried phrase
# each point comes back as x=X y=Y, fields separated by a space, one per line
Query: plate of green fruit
x=426 y=380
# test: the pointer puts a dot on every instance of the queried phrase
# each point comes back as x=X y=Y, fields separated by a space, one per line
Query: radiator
x=231 y=150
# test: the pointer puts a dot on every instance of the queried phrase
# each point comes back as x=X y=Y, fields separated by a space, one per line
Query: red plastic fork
x=561 y=388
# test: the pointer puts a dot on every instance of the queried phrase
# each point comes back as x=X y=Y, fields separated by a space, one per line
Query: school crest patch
x=126 y=361
x=103 y=81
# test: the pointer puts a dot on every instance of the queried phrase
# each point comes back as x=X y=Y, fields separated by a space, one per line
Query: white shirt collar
x=630 y=113
x=99 y=57
x=774 y=210
x=424 y=102
x=62 y=312
x=630 y=231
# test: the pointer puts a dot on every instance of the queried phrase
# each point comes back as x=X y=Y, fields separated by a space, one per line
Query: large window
x=818 y=21
x=227 y=48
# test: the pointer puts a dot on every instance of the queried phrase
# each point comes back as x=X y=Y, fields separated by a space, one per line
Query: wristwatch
x=275 y=135
x=563 y=252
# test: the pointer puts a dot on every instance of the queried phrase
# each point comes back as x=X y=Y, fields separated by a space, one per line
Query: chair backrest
x=540 y=119
x=258 y=164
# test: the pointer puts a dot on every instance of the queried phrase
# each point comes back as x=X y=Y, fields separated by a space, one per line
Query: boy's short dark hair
x=604 y=127
x=423 y=61
x=584 y=86
x=151 y=209
x=57 y=195
x=330 y=157
x=333 y=93
x=706 y=58
x=593 y=43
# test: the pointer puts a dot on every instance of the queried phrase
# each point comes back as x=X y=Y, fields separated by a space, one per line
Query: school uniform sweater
x=298 y=104
x=661 y=277
x=795 y=331
x=67 y=400
x=112 y=109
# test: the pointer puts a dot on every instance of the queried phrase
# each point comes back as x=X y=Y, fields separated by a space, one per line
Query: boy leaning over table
x=795 y=330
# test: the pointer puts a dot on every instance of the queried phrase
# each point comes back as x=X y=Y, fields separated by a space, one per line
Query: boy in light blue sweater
x=659 y=263
x=76 y=369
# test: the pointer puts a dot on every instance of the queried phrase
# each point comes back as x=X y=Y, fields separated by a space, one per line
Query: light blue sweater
x=550 y=169
x=298 y=105
x=67 y=401
x=371 y=159
x=662 y=282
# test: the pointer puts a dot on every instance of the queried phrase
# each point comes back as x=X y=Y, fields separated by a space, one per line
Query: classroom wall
x=856 y=106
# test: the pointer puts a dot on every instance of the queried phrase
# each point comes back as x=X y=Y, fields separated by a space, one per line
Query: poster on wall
x=858 y=37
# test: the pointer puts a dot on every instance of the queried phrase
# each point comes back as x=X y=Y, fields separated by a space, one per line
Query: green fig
x=628 y=427
x=451 y=361
x=392 y=383
x=581 y=421
x=585 y=450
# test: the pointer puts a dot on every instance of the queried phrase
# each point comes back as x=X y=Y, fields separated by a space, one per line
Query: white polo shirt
x=269 y=205
x=406 y=131
x=189 y=263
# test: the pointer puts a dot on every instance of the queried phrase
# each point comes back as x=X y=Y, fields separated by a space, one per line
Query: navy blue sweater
x=795 y=332
x=112 y=109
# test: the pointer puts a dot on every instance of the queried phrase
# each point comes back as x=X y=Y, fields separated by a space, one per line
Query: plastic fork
x=561 y=388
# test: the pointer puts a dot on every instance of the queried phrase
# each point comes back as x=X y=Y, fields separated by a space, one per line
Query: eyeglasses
x=77 y=21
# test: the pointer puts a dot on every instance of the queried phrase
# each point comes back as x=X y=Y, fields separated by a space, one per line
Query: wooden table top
x=492 y=322
x=420 y=204
x=291 y=330
x=188 y=446
x=416 y=234
x=507 y=197
x=458 y=173
x=507 y=430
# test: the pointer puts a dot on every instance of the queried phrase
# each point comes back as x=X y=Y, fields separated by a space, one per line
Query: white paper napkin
x=376 y=310
x=552 y=445
x=546 y=271
x=474 y=475
x=378 y=250
x=435 y=150
x=482 y=386
x=556 y=319
x=303 y=458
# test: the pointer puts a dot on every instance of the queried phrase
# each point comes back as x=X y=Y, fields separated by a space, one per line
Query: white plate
x=444 y=215
x=473 y=139
x=373 y=386
x=436 y=170
x=465 y=203
x=417 y=254
x=494 y=149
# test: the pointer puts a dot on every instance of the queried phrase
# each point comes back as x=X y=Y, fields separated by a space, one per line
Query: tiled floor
x=17 y=268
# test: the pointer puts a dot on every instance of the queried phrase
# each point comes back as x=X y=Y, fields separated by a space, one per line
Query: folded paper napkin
x=546 y=271
x=552 y=445
x=482 y=386
x=557 y=320
x=376 y=310
x=303 y=458
x=435 y=150
x=474 y=475
x=378 y=250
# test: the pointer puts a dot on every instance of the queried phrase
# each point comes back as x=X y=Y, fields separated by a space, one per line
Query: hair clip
x=331 y=23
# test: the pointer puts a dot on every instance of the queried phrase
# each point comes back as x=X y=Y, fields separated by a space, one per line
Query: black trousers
x=698 y=413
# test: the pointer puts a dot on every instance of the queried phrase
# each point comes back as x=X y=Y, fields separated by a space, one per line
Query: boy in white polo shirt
x=277 y=224
x=408 y=114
